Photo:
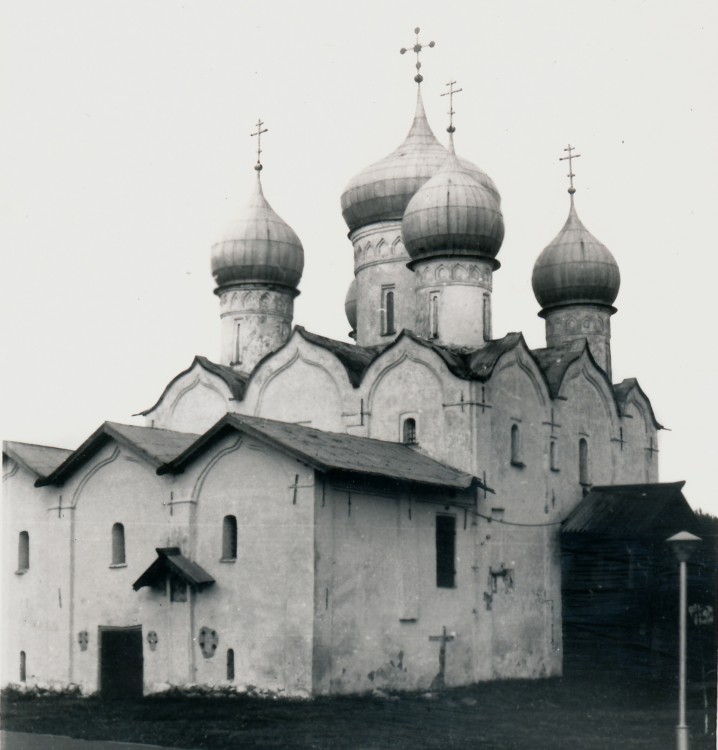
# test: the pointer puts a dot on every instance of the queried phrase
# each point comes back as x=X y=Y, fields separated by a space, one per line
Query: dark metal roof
x=555 y=360
x=633 y=510
x=235 y=381
x=154 y=445
x=355 y=359
x=39 y=460
x=171 y=560
x=331 y=451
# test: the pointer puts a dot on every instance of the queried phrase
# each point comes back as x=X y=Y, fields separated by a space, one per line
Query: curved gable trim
x=629 y=389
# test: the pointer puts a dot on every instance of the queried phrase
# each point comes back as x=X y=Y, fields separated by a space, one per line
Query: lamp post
x=683 y=544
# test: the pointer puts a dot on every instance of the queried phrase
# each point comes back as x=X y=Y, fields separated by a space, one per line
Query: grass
x=596 y=711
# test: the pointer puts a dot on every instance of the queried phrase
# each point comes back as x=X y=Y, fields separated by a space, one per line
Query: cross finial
x=450 y=93
x=417 y=48
x=258 y=165
x=571 y=156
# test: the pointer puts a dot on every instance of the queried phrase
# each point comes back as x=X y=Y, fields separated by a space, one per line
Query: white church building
x=319 y=517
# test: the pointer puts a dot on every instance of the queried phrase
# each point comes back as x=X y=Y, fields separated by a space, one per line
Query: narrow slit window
x=229 y=538
x=487 y=317
x=553 y=455
x=409 y=431
x=230 y=664
x=445 y=551
x=118 y=544
x=583 y=473
x=516 y=446
x=387 y=305
x=434 y=315
x=23 y=667
x=237 y=344
x=23 y=551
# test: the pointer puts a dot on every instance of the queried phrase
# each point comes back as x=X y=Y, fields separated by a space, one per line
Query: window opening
x=487 y=317
x=445 y=551
x=237 y=344
x=23 y=667
x=434 y=315
x=178 y=589
x=387 y=323
x=409 y=431
x=553 y=457
x=583 y=475
x=515 y=446
x=230 y=664
x=23 y=552
x=118 y=544
x=229 y=538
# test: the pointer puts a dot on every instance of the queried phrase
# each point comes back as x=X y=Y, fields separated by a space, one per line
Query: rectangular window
x=237 y=344
x=487 y=317
x=445 y=551
x=434 y=315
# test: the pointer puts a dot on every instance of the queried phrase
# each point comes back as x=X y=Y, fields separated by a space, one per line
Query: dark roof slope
x=555 y=360
x=355 y=359
x=621 y=392
x=235 y=381
x=331 y=451
x=633 y=510
x=39 y=460
x=171 y=560
x=154 y=445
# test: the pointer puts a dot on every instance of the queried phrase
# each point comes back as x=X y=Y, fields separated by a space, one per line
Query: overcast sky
x=125 y=148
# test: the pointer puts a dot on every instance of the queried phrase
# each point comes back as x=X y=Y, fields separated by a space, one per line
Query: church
x=313 y=516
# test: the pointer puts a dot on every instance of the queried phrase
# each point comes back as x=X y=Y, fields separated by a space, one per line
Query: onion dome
x=453 y=214
x=382 y=191
x=350 y=304
x=575 y=268
x=259 y=247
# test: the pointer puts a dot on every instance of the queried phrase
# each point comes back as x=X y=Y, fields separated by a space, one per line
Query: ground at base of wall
x=591 y=712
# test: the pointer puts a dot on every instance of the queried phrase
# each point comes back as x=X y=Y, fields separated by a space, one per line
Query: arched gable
x=301 y=382
x=519 y=363
x=583 y=380
x=192 y=402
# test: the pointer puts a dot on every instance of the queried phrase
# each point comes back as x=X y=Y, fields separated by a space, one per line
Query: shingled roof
x=39 y=460
x=156 y=446
x=334 y=452
x=633 y=510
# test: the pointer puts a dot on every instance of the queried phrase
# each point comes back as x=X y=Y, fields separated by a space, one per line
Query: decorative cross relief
x=440 y=681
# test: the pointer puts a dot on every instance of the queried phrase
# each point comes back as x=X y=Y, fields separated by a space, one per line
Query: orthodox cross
x=296 y=486
x=439 y=680
x=619 y=439
x=552 y=424
x=571 y=156
x=362 y=413
x=450 y=93
x=260 y=130
x=462 y=402
x=417 y=48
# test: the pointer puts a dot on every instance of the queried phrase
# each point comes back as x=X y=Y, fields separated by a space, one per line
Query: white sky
x=125 y=148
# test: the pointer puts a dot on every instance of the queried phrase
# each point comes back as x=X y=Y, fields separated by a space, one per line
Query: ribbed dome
x=382 y=191
x=575 y=268
x=259 y=247
x=350 y=304
x=453 y=214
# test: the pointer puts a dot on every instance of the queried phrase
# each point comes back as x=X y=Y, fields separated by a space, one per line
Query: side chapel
x=316 y=516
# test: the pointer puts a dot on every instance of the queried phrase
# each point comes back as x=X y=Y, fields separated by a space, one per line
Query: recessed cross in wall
x=652 y=448
x=619 y=439
x=439 y=681
x=462 y=402
x=296 y=486
x=552 y=424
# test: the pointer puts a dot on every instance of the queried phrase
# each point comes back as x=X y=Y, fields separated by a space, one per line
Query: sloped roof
x=355 y=359
x=171 y=560
x=621 y=392
x=156 y=446
x=332 y=451
x=235 y=381
x=39 y=460
x=555 y=360
x=633 y=510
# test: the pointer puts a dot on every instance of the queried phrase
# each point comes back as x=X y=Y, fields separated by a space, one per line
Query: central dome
x=382 y=191
x=453 y=214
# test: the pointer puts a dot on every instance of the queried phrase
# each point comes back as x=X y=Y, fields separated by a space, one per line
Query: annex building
x=317 y=516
